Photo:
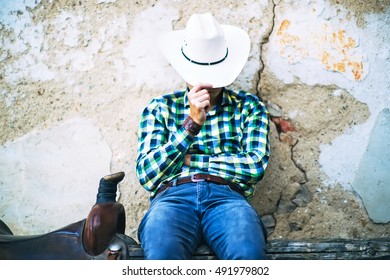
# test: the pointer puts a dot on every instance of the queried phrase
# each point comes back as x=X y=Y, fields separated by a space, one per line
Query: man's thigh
x=233 y=229
x=170 y=228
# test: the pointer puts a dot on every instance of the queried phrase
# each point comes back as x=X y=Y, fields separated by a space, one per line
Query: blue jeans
x=183 y=217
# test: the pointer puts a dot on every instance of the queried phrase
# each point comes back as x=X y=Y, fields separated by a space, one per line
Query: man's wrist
x=191 y=126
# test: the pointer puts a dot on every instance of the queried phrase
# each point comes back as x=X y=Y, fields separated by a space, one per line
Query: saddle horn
x=106 y=218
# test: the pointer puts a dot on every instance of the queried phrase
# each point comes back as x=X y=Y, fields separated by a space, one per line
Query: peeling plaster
x=361 y=8
x=14 y=14
x=346 y=151
x=317 y=44
x=307 y=36
x=27 y=39
x=336 y=50
x=105 y=1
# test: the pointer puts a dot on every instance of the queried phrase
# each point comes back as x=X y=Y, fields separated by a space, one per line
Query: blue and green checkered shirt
x=233 y=142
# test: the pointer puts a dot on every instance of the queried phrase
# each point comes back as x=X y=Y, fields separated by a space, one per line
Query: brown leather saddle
x=99 y=236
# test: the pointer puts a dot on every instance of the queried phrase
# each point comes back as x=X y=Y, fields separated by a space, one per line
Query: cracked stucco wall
x=320 y=66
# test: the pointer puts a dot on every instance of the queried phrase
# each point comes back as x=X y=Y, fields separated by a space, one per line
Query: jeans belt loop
x=174 y=182
x=195 y=180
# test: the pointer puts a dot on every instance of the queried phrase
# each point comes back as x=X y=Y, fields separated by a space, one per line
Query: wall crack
x=298 y=165
x=264 y=41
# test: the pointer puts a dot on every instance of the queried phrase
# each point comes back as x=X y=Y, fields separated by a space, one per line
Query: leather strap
x=191 y=126
x=200 y=177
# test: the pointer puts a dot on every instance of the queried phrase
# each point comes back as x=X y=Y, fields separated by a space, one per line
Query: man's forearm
x=245 y=167
x=155 y=163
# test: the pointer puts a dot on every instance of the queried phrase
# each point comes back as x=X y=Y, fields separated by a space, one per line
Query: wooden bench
x=305 y=250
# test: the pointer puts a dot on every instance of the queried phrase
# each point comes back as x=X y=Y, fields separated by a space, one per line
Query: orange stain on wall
x=335 y=50
x=284 y=25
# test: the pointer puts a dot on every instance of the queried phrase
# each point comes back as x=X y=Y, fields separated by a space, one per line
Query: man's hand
x=187 y=160
x=199 y=99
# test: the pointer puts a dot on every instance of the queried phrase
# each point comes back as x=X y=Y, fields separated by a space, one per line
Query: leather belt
x=200 y=177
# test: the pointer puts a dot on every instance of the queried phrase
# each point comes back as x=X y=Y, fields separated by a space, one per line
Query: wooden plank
x=330 y=249
x=306 y=250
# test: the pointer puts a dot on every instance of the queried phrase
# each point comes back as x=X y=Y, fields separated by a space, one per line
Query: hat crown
x=204 y=40
x=206 y=52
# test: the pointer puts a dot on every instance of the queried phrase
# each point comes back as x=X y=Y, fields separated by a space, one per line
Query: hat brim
x=219 y=75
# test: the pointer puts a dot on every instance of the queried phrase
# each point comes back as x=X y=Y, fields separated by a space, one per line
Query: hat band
x=204 y=63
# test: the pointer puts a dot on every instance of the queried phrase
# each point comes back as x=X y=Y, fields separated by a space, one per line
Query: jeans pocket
x=227 y=188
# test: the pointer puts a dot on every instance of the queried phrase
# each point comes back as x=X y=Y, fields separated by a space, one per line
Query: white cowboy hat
x=206 y=51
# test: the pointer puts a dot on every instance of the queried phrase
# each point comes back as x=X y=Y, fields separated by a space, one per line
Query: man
x=201 y=150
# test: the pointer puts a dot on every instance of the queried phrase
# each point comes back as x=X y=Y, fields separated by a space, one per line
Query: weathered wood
x=330 y=249
x=339 y=249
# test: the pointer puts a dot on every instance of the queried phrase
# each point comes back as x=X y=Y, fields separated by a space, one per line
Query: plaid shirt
x=233 y=142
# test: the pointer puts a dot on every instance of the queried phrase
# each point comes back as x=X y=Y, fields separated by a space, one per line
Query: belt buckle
x=194 y=180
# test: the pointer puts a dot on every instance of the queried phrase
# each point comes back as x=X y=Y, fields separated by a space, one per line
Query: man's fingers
x=203 y=95
x=200 y=104
x=198 y=93
x=204 y=104
x=201 y=86
x=199 y=97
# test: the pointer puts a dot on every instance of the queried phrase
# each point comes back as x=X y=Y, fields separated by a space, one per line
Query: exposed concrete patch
x=294 y=168
x=372 y=180
x=315 y=44
x=50 y=178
